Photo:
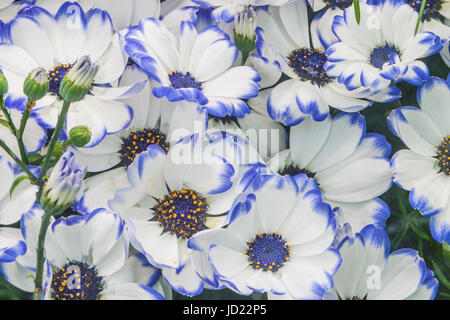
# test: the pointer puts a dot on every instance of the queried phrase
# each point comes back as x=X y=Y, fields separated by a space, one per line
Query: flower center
x=443 y=156
x=181 y=80
x=293 y=170
x=76 y=281
x=139 y=141
x=267 y=251
x=308 y=64
x=341 y=4
x=56 y=75
x=381 y=55
x=431 y=10
x=182 y=212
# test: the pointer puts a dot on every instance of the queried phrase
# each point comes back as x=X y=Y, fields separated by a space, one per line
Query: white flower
x=424 y=168
x=17 y=201
x=196 y=67
x=283 y=39
x=381 y=48
x=349 y=166
x=87 y=259
x=174 y=196
x=55 y=43
x=370 y=272
x=281 y=245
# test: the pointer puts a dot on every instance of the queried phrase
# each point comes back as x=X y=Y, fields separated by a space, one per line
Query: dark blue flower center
x=180 y=80
x=341 y=4
x=56 y=75
x=138 y=142
x=267 y=251
x=182 y=212
x=293 y=170
x=443 y=156
x=76 y=281
x=381 y=55
x=431 y=9
x=308 y=65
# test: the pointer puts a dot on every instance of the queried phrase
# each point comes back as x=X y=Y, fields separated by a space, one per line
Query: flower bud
x=79 y=136
x=36 y=84
x=64 y=183
x=244 y=31
x=3 y=84
x=78 y=80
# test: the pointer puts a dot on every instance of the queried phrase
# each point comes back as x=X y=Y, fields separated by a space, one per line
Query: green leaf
x=422 y=8
x=5 y=123
x=357 y=11
x=440 y=275
x=35 y=158
x=16 y=183
x=418 y=231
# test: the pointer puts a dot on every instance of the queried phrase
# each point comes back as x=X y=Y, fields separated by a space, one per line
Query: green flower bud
x=3 y=84
x=244 y=32
x=78 y=80
x=79 y=136
x=36 y=84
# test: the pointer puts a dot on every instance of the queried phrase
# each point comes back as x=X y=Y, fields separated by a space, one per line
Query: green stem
x=8 y=116
x=45 y=222
x=422 y=8
x=52 y=144
x=23 y=123
x=21 y=164
x=357 y=11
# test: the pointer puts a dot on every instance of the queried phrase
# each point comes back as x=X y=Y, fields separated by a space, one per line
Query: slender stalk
x=422 y=8
x=52 y=144
x=21 y=164
x=8 y=116
x=23 y=123
x=45 y=222
x=357 y=11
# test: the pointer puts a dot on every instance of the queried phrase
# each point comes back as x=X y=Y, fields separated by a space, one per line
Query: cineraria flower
x=197 y=67
x=123 y=13
x=283 y=37
x=34 y=135
x=174 y=196
x=424 y=169
x=280 y=245
x=14 y=201
x=348 y=165
x=369 y=272
x=381 y=48
x=55 y=43
x=228 y=10
x=155 y=122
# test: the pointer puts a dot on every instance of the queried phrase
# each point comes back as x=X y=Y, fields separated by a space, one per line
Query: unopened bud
x=3 y=84
x=36 y=84
x=78 y=80
x=244 y=31
x=63 y=184
x=79 y=136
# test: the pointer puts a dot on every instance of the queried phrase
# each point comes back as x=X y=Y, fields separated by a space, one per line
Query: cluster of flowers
x=185 y=145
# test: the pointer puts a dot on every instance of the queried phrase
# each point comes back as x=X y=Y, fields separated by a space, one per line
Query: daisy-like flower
x=349 y=166
x=174 y=196
x=34 y=135
x=228 y=10
x=155 y=122
x=281 y=245
x=13 y=202
x=381 y=48
x=370 y=272
x=87 y=259
x=196 y=67
x=424 y=168
x=284 y=37
x=55 y=43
